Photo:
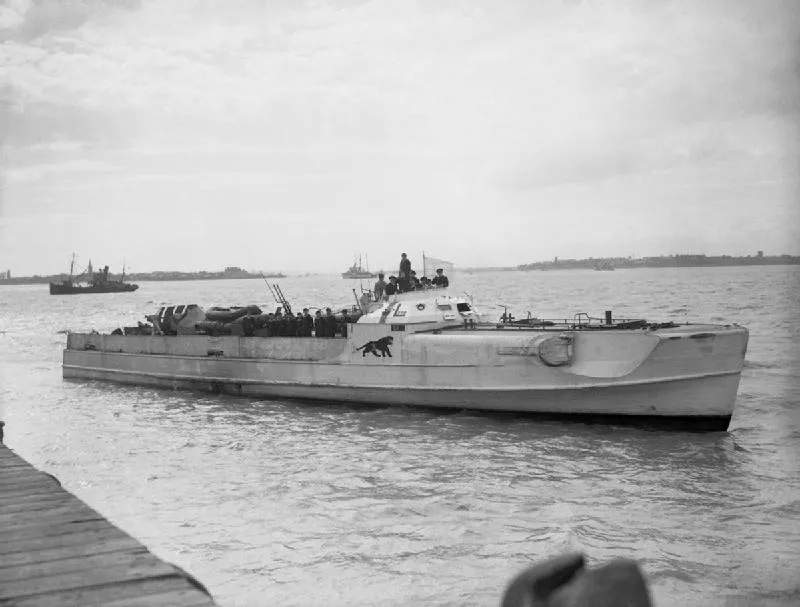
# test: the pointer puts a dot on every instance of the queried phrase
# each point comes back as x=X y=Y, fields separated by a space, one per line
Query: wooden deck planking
x=32 y=545
x=49 y=531
x=61 y=551
x=55 y=550
x=134 y=594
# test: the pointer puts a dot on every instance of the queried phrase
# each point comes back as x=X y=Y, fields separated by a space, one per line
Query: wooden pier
x=55 y=551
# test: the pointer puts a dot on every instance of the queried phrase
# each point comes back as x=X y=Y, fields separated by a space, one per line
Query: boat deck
x=55 y=550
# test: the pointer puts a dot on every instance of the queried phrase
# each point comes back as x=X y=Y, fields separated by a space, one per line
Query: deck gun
x=277 y=293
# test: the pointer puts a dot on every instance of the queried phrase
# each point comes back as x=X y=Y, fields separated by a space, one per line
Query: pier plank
x=29 y=488
x=48 y=542
x=67 y=517
x=48 y=530
x=80 y=579
x=55 y=550
x=71 y=511
x=10 y=468
x=76 y=564
x=60 y=551
x=140 y=592
x=42 y=502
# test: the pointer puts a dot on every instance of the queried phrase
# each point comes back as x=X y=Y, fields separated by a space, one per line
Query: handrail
x=563 y=324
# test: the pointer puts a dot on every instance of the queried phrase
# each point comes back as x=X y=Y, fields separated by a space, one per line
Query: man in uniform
x=380 y=287
x=330 y=323
x=345 y=319
x=307 y=324
x=319 y=324
x=404 y=275
x=440 y=280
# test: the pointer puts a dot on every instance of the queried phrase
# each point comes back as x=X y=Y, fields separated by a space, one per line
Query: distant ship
x=98 y=282
x=604 y=267
x=358 y=271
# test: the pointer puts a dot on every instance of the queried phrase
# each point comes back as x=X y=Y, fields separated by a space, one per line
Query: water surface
x=275 y=502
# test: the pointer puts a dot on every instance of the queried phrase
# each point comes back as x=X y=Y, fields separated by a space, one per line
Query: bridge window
x=463 y=307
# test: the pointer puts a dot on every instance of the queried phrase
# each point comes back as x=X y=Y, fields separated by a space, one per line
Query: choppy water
x=272 y=502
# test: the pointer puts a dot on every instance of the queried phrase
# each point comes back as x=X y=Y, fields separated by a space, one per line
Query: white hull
x=689 y=373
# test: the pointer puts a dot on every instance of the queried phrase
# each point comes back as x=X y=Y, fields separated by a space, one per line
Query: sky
x=292 y=135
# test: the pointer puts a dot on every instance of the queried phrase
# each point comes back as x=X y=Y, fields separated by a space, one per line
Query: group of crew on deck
x=406 y=280
x=303 y=324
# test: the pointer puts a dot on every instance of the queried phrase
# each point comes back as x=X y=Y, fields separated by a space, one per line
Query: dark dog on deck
x=379 y=345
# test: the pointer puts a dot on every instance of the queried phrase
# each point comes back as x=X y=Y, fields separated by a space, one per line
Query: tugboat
x=433 y=349
x=358 y=271
x=99 y=282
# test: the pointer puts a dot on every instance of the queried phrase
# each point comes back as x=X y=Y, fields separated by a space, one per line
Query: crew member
x=330 y=323
x=380 y=287
x=404 y=275
x=392 y=288
x=307 y=323
x=440 y=280
x=294 y=323
x=270 y=325
x=277 y=323
x=319 y=324
x=345 y=320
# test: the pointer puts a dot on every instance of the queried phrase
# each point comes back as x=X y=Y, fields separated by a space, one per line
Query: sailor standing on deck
x=319 y=324
x=404 y=275
x=380 y=287
x=307 y=324
x=330 y=323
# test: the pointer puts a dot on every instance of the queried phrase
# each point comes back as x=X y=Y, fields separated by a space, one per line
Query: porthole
x=420 y=306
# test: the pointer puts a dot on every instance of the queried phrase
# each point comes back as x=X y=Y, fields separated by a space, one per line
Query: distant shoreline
x=671 y=261
x=591 y=263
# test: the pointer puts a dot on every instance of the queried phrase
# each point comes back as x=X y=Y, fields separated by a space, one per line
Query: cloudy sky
x=293 y=134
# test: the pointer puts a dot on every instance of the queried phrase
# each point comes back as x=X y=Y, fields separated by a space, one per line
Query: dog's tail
x=362 y=347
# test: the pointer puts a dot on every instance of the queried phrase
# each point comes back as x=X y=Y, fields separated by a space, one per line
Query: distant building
x=760 y=254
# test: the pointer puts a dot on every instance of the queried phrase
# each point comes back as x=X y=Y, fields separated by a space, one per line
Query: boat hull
x=675 y=403
x=688 y=378
x=70 y=289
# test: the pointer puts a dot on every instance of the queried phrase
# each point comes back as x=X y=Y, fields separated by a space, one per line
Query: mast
x=71 y=267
